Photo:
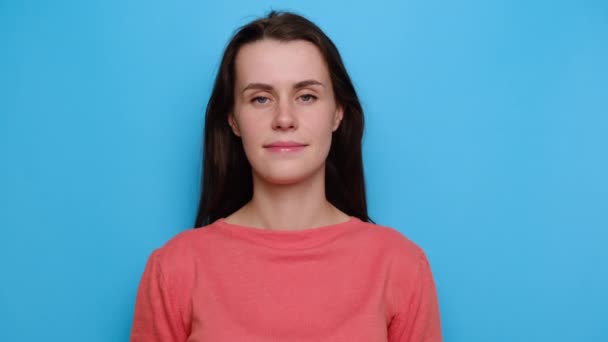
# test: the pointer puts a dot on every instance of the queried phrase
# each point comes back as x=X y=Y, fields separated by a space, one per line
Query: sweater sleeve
x=418 y=318
x=156 y=317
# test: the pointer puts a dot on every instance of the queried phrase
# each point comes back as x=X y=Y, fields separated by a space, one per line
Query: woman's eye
x=260 y=99
x=308 y=97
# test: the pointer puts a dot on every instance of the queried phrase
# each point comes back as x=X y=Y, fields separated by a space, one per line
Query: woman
x=287 y=251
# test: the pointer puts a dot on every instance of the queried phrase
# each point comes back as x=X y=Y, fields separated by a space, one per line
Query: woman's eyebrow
x=268 y=87
x=307 y=83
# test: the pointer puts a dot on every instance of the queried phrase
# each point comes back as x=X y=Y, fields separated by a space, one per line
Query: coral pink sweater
x=351 y=281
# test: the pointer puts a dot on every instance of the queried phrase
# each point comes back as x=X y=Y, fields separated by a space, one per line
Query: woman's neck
x=294 y=206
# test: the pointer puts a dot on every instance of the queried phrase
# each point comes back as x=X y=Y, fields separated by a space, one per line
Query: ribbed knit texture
x=352 y=281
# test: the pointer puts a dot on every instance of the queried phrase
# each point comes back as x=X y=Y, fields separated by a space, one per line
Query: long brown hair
x=226 y=183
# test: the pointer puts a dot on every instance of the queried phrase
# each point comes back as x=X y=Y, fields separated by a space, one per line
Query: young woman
x=285 y=250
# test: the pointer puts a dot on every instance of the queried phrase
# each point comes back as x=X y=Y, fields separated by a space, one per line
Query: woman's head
x=284 y=111
x=281 y=79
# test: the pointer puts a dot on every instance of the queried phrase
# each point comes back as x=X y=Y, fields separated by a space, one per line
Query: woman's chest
x=296 y=298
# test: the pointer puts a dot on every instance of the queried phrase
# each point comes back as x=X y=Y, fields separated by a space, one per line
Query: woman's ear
x=338 y=116
x=234 y=125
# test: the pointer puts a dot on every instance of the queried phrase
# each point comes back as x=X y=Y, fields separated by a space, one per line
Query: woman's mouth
x=285 y=146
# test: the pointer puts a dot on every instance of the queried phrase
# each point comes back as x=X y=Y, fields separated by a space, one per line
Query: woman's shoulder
x=181 y=249
x=392 y=240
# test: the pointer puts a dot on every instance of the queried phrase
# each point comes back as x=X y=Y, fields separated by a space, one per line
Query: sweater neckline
x=289 y=239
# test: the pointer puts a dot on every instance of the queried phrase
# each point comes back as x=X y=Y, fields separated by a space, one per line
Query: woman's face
x=284 y=109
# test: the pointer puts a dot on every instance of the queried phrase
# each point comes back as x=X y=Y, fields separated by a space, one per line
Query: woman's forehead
x=273 y=62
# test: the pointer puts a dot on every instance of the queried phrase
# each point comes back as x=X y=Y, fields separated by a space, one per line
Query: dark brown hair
x=227 y=183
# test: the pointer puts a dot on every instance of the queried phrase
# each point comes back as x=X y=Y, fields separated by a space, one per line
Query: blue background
x=486 y=143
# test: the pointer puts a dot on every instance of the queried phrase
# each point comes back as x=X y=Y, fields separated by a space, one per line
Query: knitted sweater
x=351 y=281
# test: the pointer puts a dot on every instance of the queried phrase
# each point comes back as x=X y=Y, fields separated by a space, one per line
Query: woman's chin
x=285 y=179
x=288 y=178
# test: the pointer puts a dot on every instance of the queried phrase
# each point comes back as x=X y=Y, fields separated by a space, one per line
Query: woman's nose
x=284 y=117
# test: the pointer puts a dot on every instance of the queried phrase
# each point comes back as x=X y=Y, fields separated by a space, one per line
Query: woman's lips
x=285 y=146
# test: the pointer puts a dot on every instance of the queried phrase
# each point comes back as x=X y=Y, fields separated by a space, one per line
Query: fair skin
x=283 y=92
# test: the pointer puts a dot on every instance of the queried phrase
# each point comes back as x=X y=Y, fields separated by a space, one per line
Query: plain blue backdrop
x=486 y=143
